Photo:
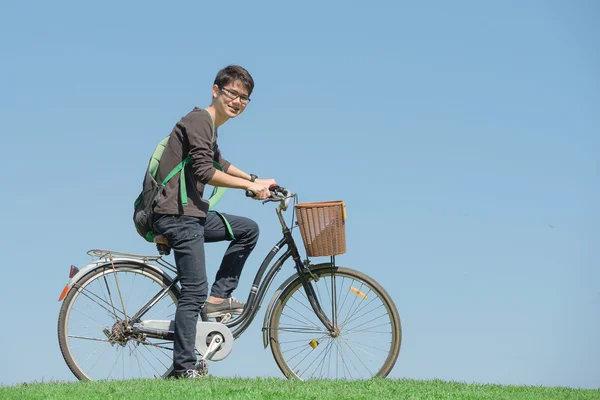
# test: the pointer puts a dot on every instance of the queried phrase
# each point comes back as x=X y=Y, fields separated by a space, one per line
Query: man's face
x=232 y=99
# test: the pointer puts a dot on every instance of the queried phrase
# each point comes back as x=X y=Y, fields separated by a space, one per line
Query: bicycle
x=324 y=321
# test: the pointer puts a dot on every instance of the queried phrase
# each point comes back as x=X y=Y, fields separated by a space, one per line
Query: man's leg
x=246 y=234
x=186 y=237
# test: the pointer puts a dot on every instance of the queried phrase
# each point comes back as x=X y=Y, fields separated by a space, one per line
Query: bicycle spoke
x=86 y=338
x=116 y=361
x=323 y=354
x=166 y=308
x=302 y=304
x=112 y=303
x=139 y=365
x=303 y=346
x=357 y=315
x=90 y=318
x=351 y=308
x=347 y=294
x=305 y=343
x=328 y=351
x=341 y=355
x=133 y=353
x=371 y=320
x=337 y=359
x=354 y=364
x=364 y=345
x=359 y=345
x=307 y=354
x=113 y=313
x=298 y=330
x=306 y=319
x=360 y=359
x=159 y=346
x=292 y=341
x=361 y=305
x=369 y=329
x=99 y=358
x=296 y=355
x=312 y=326
x=119 y=291
x=131 y=288
x=102 y=299
x=159 y=360
x=366 y=314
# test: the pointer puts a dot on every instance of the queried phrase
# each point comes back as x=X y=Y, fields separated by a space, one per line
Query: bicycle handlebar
x=278 y=193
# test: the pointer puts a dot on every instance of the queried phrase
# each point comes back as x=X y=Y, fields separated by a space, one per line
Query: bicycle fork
x=303 y=271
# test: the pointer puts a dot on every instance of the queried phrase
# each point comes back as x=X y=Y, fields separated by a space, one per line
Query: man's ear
x=215 y=91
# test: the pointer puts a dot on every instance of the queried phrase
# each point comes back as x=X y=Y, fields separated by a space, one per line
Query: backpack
x=151 y=191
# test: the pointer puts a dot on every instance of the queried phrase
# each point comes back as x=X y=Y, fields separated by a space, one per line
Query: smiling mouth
x=236 y=110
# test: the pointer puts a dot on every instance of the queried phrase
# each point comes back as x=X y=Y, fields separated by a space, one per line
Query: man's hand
x=261 y=189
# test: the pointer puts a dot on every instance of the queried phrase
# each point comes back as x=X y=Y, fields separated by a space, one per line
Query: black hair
x=234 y=73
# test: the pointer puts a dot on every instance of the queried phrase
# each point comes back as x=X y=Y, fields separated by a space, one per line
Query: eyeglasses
x=232 y=95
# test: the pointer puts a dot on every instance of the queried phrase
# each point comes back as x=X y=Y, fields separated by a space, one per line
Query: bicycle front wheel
x=368 y=337
x=94 y=326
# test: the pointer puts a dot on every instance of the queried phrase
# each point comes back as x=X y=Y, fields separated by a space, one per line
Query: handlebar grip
x=274 y=188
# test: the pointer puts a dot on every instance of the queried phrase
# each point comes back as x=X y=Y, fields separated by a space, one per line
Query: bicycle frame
x=261 y=284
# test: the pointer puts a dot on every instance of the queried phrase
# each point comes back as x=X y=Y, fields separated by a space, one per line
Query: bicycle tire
x=75 y=299
x=369 y=289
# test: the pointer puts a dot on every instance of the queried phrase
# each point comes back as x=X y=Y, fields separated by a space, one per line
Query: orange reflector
x=358 y=292
x=64 y=293
x=313 y=343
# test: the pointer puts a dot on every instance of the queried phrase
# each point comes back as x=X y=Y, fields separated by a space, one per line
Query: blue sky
x=464 y=138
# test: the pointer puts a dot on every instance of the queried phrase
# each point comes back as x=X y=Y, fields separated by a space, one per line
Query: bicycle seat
x=162 y=245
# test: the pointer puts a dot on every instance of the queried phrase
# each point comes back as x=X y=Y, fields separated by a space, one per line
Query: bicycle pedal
x=223 y=318
x=202 y=367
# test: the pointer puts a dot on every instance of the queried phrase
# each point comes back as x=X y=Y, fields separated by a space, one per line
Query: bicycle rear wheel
x=94 y=324
x=369 y=337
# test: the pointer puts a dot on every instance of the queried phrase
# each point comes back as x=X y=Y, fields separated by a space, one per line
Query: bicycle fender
x=116 y=261
x=266 y=326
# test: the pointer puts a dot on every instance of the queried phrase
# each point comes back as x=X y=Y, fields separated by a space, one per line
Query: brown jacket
x=192 y=135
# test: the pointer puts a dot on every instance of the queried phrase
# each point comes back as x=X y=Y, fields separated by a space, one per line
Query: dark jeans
x=187 y=236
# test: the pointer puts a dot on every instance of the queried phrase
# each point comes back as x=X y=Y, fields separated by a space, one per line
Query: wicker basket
x=322 y=226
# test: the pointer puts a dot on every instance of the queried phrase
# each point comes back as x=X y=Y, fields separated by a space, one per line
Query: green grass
x=273 y=388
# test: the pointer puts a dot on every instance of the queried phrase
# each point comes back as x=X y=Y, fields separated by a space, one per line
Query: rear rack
x=109 y=255
x=99 y=254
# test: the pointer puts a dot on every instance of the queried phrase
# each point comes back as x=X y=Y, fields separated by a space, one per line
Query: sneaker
x=229 y=305
x=191 y=374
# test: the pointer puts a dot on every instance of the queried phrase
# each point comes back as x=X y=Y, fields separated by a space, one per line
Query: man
x=189 y=226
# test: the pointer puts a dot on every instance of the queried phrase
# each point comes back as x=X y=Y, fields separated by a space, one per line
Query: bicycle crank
x=214 y=340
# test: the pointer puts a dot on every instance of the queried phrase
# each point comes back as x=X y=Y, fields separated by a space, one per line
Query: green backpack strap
x=182 y=186
x=217 y=192
x=155 y=161
x=227 y=224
